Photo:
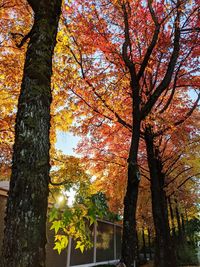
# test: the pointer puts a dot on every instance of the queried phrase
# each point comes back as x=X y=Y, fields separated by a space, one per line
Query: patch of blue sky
x=67 y=143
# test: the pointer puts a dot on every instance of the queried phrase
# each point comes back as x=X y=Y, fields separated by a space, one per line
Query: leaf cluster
x=76 y=222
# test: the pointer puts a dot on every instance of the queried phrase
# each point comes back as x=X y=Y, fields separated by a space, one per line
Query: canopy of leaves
x=92 y=97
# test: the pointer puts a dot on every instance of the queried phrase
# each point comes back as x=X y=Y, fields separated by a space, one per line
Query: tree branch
x=80 y=63
x=170 y=69
x=177 y=123
x=190 y=177
x=180 y=173
x=152 y=44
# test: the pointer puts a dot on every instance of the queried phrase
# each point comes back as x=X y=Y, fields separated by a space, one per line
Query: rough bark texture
x=25 y=231
x=164 y=252
x=129 y=238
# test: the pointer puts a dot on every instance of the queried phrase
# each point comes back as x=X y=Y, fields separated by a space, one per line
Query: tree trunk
x=129 y=238
x=144 y=245
x=149 y=244
x=25 y=222
x=178 y=218
x=164 y=253
x=172 y=218
x=183 y=226
x=138 y=245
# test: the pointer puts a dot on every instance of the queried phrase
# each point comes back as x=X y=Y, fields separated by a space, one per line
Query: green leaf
x=56 y=225
x=92 y=220
x=64 y=241
x=82 y=248
x=80 y=245
x=67 y=216
x=58 y=247
x=53 y=214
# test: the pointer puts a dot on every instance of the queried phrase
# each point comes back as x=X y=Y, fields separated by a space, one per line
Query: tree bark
x=144 y=245
x=164 y=252
x=149 y=244
x=138 y=245
x=178 y=219
x=172 y=218
x=129 y=237
x=25 y=222
x=183 y=226
x=140 y=112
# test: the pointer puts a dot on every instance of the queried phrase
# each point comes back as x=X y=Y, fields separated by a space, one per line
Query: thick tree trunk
x=129 y=238
x=25 y=231
x=164 y=252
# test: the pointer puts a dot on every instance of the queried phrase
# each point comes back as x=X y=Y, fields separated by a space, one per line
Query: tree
x=165 y=168
x=126 y=73
x=25 y=232
x=164 y=254
x=10 y=61
x=133 y=67
x=74 y=218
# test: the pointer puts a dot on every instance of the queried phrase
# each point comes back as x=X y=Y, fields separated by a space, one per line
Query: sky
x=67 y=142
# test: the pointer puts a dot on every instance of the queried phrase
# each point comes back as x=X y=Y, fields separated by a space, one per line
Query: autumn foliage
x=121 y=69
